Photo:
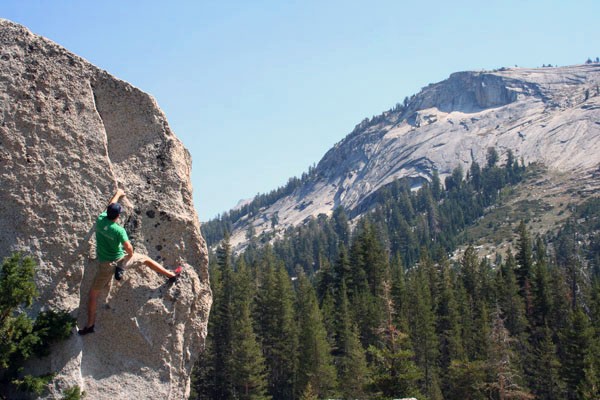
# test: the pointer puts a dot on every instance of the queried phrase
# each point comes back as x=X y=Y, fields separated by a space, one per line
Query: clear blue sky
x=259 y=90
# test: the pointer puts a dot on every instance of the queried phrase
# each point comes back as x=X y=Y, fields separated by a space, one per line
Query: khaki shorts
x=106 y=269
x=105 y=272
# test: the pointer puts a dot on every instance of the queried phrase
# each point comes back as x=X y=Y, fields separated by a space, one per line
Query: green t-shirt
x=110 y=237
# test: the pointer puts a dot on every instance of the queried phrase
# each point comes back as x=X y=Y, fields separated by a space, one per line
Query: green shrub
x=22 y=337
x=52 y=326
x=73 y=393
x=33 y=384
x=17 y=291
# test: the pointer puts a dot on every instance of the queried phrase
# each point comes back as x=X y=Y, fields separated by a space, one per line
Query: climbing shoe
x=86 y=330
x=177 y=272
x=119 y=272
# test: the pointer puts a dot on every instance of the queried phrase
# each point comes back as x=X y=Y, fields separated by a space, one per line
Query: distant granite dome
x=548 y=115
x=69 y=134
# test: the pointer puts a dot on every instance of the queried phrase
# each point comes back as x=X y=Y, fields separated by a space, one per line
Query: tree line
x=216 y=229
x=434 y=217
x=374 y=313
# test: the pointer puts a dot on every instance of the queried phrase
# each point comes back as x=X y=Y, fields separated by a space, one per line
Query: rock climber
x=112 y=243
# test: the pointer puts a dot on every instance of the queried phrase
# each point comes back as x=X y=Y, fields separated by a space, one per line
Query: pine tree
x=465 y=380
x=247 y=364
x=509 y=166
x=325 y=280
x=511 y=304
x=448 y=326
x=367 y=310
x=275 y=326
x=567 y=257
x=315 y=365
x=436 y=185
x=394 y=372
x=405 y=243
x=351 y=361
x=525 y=260
x=355 y=370
x=222 y=321
x=343 y=320
x=202 y=382
x=369 y=267
x=492 y=178
x=374 y=260
x=560 y=312
x=342 y=270
x=486 y=277
x=545 y=377
x=341 y=225
x=431 y=274
x=542 y=300
x=589 y=388
x=505 y=380
x=455 y=180
x=541 y=363
x=466 y=317
x=595 y=304
x=470 y=272
x=357 y=266
x=475 y=175
x=425 y=341
x=330 y=321
x=309 y=393
x=576 y=343
x=492 y=157
x=513 y=311
x=473 y=307
x=480 y=333
x=433 y=213
x=204 y=378
x=400 y=295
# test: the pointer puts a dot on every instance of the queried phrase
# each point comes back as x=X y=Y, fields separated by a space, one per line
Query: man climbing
x=112 y=243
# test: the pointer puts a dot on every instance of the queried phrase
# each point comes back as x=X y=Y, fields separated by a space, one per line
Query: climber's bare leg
x=92 y=300
x=158 y=268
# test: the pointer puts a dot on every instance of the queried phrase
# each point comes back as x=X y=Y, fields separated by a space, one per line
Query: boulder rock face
x=70 y=134
x=546 y=115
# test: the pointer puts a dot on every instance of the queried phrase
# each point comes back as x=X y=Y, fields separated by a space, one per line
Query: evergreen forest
x=386 y=307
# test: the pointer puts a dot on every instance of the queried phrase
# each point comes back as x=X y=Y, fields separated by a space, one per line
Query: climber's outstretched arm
x=120 y=193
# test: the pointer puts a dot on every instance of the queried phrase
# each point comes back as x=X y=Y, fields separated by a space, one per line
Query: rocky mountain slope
x=548 y=115
x=70 y=134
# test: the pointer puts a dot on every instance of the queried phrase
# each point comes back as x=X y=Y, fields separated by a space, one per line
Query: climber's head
x=113 y=211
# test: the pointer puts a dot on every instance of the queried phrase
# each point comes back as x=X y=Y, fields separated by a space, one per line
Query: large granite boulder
x=70 y=134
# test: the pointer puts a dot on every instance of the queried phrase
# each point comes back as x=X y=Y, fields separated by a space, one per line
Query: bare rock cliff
x=71 y=133
x=545 y=115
